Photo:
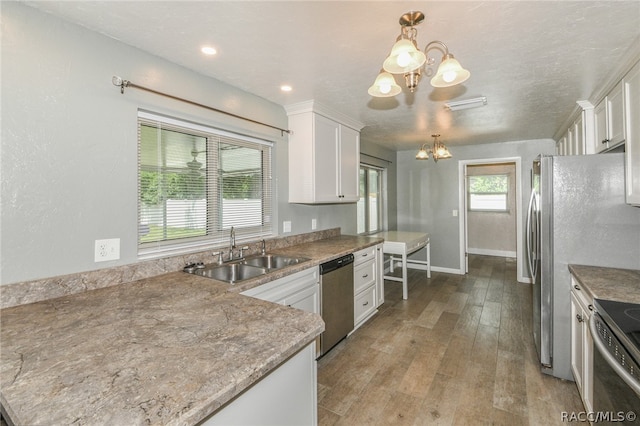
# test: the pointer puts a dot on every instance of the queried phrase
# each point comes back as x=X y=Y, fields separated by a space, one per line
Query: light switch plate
x=286 y=226
x=314 y=224
x=107 y=250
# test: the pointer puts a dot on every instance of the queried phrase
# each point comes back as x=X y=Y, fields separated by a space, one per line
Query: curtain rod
x=377 y=158
x=117 y=81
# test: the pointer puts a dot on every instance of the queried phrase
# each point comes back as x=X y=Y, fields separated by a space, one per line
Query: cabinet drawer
x=364 y=275
x=364 y=304
x=364 y=255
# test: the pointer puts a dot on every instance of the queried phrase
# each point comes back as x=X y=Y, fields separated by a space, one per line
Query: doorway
x=490 y=206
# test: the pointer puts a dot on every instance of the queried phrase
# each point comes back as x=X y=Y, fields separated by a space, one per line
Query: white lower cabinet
x=286 y=396
x=366 y=284
x=581 y=343
x=300 y=290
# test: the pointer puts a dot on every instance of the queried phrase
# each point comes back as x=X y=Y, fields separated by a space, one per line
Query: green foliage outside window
x=488 y=184
x=155 y=187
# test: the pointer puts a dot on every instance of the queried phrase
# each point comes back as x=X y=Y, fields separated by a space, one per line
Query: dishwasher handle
x=334 y=264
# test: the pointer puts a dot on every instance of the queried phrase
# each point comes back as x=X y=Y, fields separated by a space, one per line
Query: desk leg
x=405 y=287
x=428 y=260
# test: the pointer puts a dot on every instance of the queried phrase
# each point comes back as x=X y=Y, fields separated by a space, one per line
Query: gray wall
x=428 y=192
x=69 y=144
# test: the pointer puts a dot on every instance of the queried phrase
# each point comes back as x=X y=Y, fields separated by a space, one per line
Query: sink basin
x=231 y=272
x=273 y=261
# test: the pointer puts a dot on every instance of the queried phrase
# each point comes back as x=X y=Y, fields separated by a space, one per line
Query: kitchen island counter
x=169 y=349
x=165 y=350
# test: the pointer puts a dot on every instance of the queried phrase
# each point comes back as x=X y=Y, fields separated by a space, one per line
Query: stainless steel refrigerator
x=577 y=215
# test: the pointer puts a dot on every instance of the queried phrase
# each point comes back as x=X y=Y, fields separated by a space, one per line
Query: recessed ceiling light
x=208 y=50
x=286 y=88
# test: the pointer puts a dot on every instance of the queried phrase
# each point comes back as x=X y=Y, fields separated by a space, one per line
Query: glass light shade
x=441 y=151
x=450 y=73
x=404 y=58
x=423 y=154
x=384 y=86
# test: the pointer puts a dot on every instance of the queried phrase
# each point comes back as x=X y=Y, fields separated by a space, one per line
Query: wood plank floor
x=458 y=352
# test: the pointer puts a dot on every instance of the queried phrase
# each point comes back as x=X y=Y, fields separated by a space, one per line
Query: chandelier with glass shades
x=438 y=151
x=405 y=58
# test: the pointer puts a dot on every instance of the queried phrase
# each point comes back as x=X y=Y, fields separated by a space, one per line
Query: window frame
x=366 y=202
x=215 y=232
x=506 y=194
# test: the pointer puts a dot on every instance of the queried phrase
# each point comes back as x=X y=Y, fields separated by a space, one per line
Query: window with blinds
x=488 y=193
x=196 y=182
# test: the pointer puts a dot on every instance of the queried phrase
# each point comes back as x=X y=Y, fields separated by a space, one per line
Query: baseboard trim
x=489 y=252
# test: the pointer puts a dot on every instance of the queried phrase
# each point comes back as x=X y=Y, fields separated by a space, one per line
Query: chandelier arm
x=439 y=45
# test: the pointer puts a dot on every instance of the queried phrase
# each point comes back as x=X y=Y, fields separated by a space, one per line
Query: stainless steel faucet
x=264 y=247
x=232 y=242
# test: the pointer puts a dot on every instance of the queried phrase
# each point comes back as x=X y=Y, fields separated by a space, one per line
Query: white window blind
x=196 y=182
x=488 y=193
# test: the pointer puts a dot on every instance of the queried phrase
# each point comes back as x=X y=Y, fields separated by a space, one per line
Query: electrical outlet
x=107 y=250
x=286 y=226
x=314 y=224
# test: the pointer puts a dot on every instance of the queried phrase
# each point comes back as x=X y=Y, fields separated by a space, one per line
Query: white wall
x=428 y=192
x=69 y=143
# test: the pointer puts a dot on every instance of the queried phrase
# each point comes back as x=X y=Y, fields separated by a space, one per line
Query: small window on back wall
x=488 y=193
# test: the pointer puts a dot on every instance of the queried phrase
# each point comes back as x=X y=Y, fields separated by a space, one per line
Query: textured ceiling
x=531 y=59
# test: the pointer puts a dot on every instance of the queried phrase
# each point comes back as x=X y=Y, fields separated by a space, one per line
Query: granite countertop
x=619 y=285
x=171 y=349
x=317 y=252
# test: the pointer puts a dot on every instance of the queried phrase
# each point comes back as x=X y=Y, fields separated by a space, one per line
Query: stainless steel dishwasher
x=336 y=301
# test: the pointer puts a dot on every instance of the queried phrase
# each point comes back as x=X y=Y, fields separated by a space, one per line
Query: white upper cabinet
x=577 y=139
x=609 y=120
x=324 y=155
x=631 y=85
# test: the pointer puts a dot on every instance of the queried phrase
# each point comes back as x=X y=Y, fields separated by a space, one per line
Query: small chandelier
x=405 y=58
x=438 y=151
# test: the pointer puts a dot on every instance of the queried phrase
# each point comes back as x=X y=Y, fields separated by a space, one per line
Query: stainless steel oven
x=615 y=329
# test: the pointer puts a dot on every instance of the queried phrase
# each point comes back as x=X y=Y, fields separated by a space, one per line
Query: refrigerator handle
x=530 y=242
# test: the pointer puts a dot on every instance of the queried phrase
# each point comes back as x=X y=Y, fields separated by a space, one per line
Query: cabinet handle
x=605 y=141
x=576 y=287
x=591 y=307
x=364 y=254
x=366 y=303
x=579 y=318
x=365 y=275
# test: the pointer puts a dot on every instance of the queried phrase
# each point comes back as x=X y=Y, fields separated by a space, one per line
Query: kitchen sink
x=273 y=261
x=244 y=269
x=230 y=272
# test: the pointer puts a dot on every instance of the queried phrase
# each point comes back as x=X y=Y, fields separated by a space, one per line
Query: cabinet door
x=380 y=274
x=600 y=124
x=306 y=300
x=632 y=122
x=578 y=137
x=615 y=113
x=561 y=146
x=349 y=190
x=577 y=320
x=327 y=159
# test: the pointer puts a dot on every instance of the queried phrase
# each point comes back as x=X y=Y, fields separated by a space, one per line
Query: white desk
x=399 y=243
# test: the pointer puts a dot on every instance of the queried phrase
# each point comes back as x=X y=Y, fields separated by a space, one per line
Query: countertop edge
x=617 y=284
